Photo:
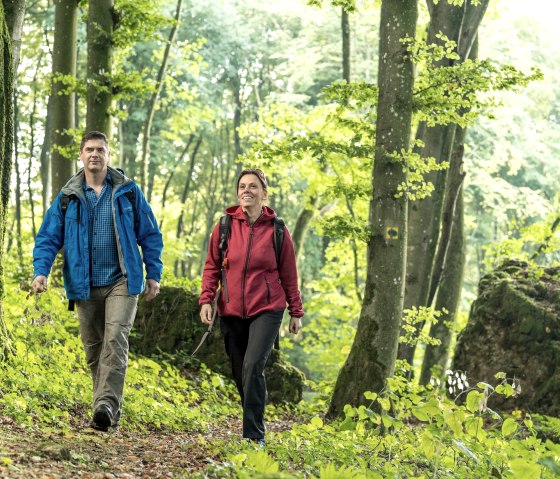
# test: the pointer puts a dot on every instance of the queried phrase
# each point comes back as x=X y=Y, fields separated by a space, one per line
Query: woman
x=255 y=287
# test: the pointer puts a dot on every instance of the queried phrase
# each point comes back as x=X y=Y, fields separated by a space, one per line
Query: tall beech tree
x=373 y=353
x=460 y=24
x=6 y=150
x=62 y=100
x=99 y=65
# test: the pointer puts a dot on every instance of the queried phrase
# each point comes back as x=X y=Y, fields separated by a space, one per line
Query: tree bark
x=448 y=297
x=61 y=101
x=6 y=151
x=15 y=13
x=458 y=24
x=345 y=27
x=373 y=353
x=99 y=66
x=145 y=162
x=18 y=215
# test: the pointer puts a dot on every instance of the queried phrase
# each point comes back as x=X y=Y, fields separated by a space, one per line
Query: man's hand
x=152 y=289
x=39 y=284
x=295 y=325
x=206 y=314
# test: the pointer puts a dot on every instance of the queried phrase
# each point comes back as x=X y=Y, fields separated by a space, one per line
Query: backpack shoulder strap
x=131 y=195
x=278 y=236
x=65 y=201
x=225 y=226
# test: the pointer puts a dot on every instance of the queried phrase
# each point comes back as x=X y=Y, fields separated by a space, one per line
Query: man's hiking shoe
x=102 y=418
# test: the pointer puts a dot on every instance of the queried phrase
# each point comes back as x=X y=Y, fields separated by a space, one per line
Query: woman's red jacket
x=255 y=283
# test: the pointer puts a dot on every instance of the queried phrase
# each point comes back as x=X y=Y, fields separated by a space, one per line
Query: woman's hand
x=206 y=314
x=295 y=325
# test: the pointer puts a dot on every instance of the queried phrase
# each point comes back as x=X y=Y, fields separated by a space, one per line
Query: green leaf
x=523 y=469
x=421 y=415
x=384 y=403
x=370 y=396
x=473 y=399
x=509 y=426
x=317 y=422
x=454 y=419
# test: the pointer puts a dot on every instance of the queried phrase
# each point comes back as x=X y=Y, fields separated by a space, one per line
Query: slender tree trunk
x=99 y=66
x=170 y=177
x=374 y=351
x=459 y=24
x=145 y=162
x=62 y=102
x=448 y=297
x=6 y=152
x=18 y=215
x=32 y=119
x=345 y=27
x=237 y=151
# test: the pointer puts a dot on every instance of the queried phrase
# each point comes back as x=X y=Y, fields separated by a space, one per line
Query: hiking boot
x=102 y=418
x=260 y=443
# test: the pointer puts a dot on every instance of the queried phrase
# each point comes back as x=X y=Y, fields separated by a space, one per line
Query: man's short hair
x=94 y=135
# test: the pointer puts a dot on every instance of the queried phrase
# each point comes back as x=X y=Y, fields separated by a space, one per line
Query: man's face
x=95 y=156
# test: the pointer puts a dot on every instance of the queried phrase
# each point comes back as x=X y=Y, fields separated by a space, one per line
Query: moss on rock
x=514 y=327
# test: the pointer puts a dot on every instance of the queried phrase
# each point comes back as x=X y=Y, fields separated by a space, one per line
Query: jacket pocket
x=272 y=281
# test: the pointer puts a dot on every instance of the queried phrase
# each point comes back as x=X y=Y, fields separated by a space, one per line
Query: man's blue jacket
x=71 y=232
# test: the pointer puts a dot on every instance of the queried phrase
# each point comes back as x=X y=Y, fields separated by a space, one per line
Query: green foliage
x=404 y=432
x=419 y=316
x=458 y=92
x=46 y=383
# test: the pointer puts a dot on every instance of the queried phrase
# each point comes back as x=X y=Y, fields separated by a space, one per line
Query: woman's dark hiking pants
x=248 y=344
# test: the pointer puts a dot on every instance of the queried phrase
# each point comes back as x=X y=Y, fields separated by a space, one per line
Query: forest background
x=192 y=92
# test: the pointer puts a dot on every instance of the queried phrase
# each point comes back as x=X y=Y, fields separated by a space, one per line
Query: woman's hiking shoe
x=260 y=443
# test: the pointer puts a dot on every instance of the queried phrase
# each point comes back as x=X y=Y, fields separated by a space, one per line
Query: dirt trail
x=85 y=453
x=90 y=454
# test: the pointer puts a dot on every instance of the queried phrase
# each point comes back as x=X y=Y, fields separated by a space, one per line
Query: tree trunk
x=458 y=24
x=6 y=146
x=32 y=118
x=62 y=102
x=237 y=151
x=373 y=354
x=18 y=215
x=345 y=27
x=99 y=65
x=144 y=183
x=448 y=297
x=15 y=12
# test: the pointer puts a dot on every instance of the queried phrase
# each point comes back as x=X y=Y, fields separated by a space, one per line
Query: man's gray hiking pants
x=105 y=323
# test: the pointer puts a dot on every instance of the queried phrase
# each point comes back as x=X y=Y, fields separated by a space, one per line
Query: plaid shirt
x=103 y=254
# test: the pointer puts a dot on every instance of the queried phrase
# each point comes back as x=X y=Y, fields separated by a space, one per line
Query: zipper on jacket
x=247 y=265
x=267 y=291
x=245 y=271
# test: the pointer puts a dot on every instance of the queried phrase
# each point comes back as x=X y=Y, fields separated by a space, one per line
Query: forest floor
x=85 y=453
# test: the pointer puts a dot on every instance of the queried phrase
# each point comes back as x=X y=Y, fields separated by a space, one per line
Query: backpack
x=225 y=226
x=65 y=201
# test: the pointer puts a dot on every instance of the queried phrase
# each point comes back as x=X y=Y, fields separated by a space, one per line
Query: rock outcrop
x=514 y=327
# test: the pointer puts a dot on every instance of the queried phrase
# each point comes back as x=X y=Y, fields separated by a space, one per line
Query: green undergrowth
x=405 y=432
x=47 y=383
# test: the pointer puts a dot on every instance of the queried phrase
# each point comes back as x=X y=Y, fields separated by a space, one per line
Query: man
x=100 y=218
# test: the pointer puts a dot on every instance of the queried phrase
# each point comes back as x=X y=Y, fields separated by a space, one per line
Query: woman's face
x=250 y=192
